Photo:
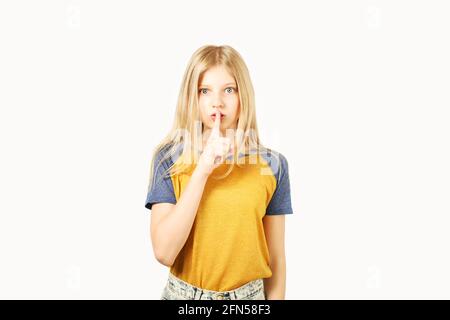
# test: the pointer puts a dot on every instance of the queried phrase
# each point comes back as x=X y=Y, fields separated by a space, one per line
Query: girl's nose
x=217 y=101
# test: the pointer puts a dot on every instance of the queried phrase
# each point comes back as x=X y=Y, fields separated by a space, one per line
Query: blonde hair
x=188 y=114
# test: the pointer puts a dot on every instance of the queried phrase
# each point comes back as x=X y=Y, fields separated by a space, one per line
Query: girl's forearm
x=275 y=286
x=174 y=229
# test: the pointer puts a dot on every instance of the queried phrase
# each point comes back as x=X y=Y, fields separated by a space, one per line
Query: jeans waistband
x=184 y=289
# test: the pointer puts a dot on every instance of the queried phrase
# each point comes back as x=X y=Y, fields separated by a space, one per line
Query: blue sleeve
x=281 y=198
x=160 y=189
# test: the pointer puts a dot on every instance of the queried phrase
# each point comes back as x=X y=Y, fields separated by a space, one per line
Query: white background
x=354 y=93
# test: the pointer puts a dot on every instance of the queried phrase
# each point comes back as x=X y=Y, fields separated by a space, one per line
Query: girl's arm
x=171 y=224
x=275 y=286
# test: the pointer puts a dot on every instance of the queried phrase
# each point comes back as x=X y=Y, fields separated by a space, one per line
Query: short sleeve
x=280 y=202
x=160 y=189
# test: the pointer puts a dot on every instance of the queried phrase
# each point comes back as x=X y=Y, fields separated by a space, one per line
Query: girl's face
x=218 y=90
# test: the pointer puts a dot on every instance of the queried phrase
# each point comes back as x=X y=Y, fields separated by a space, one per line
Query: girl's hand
x=216 y=150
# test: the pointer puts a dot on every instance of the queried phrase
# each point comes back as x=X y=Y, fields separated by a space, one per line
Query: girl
x=218 y=196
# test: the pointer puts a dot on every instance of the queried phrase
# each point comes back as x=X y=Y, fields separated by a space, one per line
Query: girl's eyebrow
x=232 y=83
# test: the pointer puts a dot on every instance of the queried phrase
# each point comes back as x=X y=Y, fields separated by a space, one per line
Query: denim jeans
x=177 y=289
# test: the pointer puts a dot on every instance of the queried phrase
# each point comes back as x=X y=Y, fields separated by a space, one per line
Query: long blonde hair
x=187 y=116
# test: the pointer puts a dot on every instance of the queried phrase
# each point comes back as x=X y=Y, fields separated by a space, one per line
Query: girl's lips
x=214 y=116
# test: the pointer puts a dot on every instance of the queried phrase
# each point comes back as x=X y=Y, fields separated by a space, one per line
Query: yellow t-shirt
x=226 y=247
